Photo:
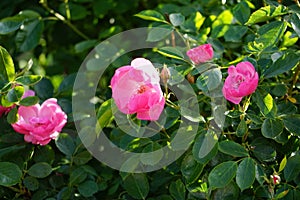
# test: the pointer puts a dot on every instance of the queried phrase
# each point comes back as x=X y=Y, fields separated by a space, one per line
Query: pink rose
x=201 y=54
x=5 y=110
x=242 y=80
x=136 y=89
x=40 y=123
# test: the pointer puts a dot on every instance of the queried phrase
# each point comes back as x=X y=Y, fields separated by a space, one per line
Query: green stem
x=63 y=19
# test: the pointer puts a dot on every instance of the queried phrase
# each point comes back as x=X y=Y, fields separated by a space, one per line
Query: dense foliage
x=244 y=148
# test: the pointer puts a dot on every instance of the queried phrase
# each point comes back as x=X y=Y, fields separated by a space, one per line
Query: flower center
x=142 y=89
x=238 y=79
x=36 y=121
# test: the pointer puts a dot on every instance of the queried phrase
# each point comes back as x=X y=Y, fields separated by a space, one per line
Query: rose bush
x=229 y=99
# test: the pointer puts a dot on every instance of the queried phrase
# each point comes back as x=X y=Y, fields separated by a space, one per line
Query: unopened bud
x=165 y=74
x=275 y=179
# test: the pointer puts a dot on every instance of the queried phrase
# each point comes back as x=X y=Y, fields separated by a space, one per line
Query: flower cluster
x=136 y=89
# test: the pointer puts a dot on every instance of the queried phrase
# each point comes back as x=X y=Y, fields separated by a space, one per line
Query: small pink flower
x=242 y=80
x=276 y=179
x=201 y=54
x=5 y=110
x=40 y=123
x=136 y=89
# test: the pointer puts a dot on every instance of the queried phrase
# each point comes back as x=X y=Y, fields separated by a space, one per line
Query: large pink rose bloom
x=136 y=89
x=242 y=80
x=5 y=110
x=201 y=54
x=40 y=123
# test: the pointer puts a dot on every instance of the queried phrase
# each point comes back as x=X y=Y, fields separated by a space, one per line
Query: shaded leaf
x=137 y=185
x=245 y=174
x=283 y=64
x=40 y=170
x=292 y=168
x=222 y=174
x=159 y=32
x=232 y=148
x=10 y=174
x=271 y=128
x=177 y=190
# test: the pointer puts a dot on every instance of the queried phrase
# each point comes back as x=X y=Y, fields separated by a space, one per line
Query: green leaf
x=271 y=128
x=263 y=150
x=158 y=33
x=283 y=64
x=222 y=174
x=209 y=80
x=40 y=170
x=268 y=36
x=66 y=86
x=259 y=174
x=104 y=113
x=12 y=116
x=177 y=190
x=77 y=176
x=266 y=103
x=242 y=12
x=292 y=168
x=151 y=15
x=282 y=164
x=235 y=33
x=84 y=45
x=44 y=89
x=29 y=101
x=266 y=13
x=292 y=124
x=28 y=79
x=230 y=191
x=88 y=188
x=7 y=69
x=152 y=154
x=29 y=35
x=232 y=148
x=172 y=52
x=77 y=12
x=245 y=174
x=15 y=94
x=44 y=154
x=82 y=158
x=242 y=128
x=176 y=19
x=31 y=183
x=65 y=144
x=10 y=174
x=10 y=24
x=295 y=22
x=205 y=147
x=191 y=169
x=137 y=185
